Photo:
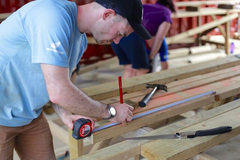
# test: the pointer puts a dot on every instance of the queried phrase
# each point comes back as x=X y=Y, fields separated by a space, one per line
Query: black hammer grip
x=144 y=101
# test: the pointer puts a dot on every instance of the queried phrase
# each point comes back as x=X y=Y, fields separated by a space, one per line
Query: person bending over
x=41 y=43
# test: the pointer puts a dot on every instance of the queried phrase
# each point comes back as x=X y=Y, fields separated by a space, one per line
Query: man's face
x=111 y=29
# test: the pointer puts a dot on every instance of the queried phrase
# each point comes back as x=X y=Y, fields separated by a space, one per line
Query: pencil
x=120 y=89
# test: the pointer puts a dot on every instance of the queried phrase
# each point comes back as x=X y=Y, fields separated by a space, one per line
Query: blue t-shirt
x=42 y=31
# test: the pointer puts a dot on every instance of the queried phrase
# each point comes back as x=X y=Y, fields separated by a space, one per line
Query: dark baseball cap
x=131 y=10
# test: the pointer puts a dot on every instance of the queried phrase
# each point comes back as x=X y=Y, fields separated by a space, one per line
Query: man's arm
x=65 y=94
x=161 y=33
x=68 y=118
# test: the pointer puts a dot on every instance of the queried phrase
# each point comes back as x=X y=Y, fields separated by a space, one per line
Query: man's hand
x=150 y=65
x=124 y=113
x=70 y=119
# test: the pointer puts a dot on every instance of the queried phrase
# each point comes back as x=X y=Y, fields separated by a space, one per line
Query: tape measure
x=82 y=128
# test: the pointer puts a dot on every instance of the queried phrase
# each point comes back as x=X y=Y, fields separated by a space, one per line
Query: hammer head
x=159 y=86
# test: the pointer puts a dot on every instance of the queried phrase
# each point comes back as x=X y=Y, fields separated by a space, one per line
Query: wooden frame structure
x=183 y=83
x=228 y=15
x=176 y=149
x=221 y=79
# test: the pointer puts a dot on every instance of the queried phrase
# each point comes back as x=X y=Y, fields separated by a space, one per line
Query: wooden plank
x=202 y=58
x=3 y=16
x=152 y=118
x=180 y=52
x=227 y=31
x=199 y=3
x=183 y=149
x=202 y=28
x=58 y=131
x=219 y=26
x=185 y=84
x=100 y=145
x=91 y=40
x=192 y=8
x=201 y=49
x=202 y=12
x=202 y=156
x=199 y=23
x=161 y=100
x=97 y=65
x=204 y=41
x=107 y=90
x=75 y=146
x=226 y=6
x=128 y=149
x=186 y=41
x=140 y=122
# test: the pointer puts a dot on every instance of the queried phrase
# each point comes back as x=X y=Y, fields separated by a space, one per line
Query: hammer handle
x=144 y=101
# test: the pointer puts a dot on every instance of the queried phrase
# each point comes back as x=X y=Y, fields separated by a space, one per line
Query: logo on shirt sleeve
x=54 y=46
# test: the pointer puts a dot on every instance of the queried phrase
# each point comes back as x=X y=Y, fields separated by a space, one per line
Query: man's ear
x=108 y=13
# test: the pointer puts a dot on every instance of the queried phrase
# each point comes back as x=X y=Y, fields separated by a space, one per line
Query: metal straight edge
x=156 y=110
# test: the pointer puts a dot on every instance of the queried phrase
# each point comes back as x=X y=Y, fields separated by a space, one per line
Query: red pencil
x=120 y=89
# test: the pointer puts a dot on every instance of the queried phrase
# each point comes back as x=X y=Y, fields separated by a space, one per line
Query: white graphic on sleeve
x=54 y=47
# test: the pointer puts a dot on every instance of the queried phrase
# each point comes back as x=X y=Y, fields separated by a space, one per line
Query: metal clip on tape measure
x=82 y=128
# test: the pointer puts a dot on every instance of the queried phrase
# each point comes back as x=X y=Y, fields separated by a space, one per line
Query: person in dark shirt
x=137 y=55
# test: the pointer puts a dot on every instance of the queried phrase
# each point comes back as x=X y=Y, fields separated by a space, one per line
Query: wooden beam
x=183 y=149
x=188 y=82
x=202 y=12
x=202 y=58
x=226 y=6
x=204 y=41
x=192 y=8
x=219 y=26
x=227 y=31
x=152 y=118
x=107 y=90
x=199 y=3
x=3 y=16
x=97 y=65
x=129 y=149
x=58 y=131
x=180 y=52
x=185 y=91
x=202 y=156
x=202 y=28
x=201 y=49
x=75 y=146
x=185 y=84
x=100 y=145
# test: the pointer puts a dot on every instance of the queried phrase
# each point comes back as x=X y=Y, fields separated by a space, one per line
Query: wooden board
x=128 y=149
x=107 y=90
x=183 y=149
x=230 y=86
x=202 y=12
x=201 y=28
x=3 y=16
x=208 y=2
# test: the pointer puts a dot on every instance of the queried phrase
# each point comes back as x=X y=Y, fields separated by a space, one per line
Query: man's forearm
x=64 y=93
x=76 y=101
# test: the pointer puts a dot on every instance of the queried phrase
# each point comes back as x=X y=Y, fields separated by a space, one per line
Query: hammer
x=155 y=87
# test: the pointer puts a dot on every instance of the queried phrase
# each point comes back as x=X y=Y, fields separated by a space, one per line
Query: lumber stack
x=186 y=148
x=190 y=88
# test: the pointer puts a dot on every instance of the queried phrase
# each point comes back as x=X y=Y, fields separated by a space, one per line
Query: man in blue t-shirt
x=40 y=44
